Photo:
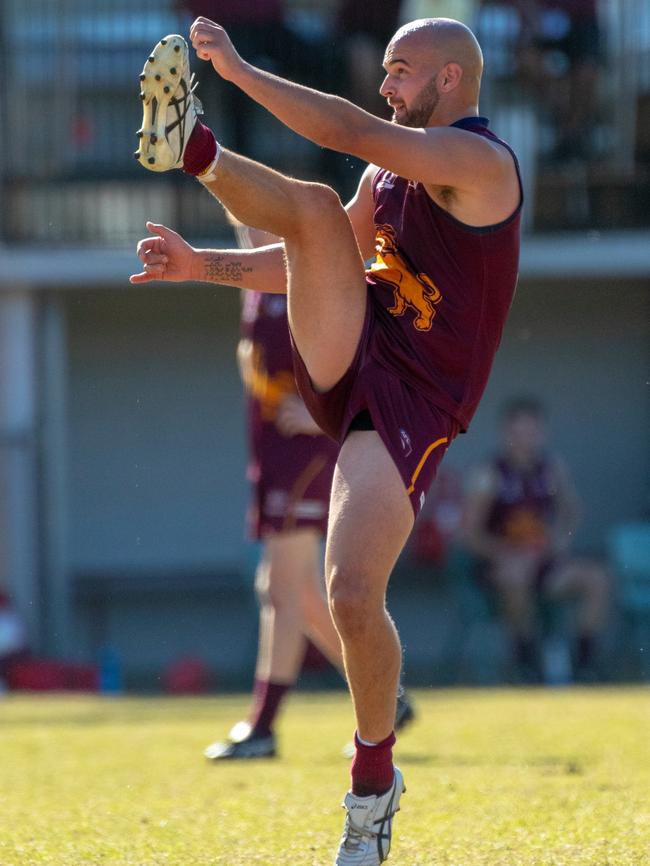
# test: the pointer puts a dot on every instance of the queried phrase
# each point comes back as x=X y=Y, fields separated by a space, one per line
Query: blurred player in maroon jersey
x=290 y=467
x=391 y=362
x=521 y=514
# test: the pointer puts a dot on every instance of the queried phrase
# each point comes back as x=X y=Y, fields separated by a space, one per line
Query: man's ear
x=450 y=77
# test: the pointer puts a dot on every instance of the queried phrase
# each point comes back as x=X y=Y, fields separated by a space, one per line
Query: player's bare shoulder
x=484 y=187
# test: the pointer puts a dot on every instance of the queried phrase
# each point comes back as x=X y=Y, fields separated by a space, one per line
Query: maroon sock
x=259 y=689
x=200 y=150
x=270 y=697
x=372 y=768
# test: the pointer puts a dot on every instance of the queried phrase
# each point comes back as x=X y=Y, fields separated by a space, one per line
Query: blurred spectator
x=366 y=29
x=13 y=638
x=560 y=54
x=461 y=10
x=438 y=526
x=261 y=33
x=187 y=676
x=521 y=513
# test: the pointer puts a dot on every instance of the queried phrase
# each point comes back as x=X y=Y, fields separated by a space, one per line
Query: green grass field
x=523 y=778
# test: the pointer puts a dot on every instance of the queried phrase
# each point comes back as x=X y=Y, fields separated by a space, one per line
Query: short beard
x=423 y=106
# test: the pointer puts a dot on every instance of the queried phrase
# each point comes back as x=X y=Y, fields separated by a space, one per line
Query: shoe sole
x=159 y=80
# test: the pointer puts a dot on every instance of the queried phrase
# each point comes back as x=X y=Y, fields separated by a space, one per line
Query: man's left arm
x=442 y=156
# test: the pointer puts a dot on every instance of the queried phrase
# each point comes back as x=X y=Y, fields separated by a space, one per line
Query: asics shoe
x=243 y=748
x=368 y=826
x=169 y=106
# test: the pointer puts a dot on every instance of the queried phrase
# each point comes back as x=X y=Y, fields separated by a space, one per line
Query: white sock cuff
x=365 y=742
x=208 y=175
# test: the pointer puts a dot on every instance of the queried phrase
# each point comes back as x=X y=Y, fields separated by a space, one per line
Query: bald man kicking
x=391 y=361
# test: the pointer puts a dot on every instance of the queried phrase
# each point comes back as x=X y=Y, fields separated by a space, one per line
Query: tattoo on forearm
x=218 y=269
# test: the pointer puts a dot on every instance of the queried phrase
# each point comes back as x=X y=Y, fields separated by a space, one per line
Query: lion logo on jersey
x=417 y=291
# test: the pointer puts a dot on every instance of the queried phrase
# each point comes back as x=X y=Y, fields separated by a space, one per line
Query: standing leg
x=285 y=569
x=316 y=617
x=370 y=520
x=292 y=607
x=279 y=587
x=280 y=577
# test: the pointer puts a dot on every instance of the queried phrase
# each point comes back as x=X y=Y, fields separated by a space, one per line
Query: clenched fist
x=211 y=42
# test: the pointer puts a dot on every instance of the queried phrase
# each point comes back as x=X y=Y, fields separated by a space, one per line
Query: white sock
x=365 y=742
x=207 y=175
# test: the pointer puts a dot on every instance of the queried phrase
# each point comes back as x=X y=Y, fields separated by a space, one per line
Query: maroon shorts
x=415 y=432
x=292 y=479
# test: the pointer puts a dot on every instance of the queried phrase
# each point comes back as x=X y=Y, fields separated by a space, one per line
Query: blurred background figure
x=521 y=514
x=438 y=528
x=290 y=46
x=364 y=30
x=561 y=47
x=13 y=638
x=291 y=463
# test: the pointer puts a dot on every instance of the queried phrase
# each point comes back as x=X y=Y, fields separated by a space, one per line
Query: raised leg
x=326 y=288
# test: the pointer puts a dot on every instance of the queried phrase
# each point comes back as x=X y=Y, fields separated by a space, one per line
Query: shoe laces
x=198 y=105
x=184 y=100
x=354 y=835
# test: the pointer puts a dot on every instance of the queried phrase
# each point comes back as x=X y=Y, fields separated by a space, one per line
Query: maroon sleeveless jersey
x=443 y=289
x=264 y=323
x=525 y=502
x=291 y=475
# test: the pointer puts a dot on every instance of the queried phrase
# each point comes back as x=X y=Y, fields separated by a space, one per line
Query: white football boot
x=170 y=107
x=369 y=826
x=240 y=744
x=234 y=750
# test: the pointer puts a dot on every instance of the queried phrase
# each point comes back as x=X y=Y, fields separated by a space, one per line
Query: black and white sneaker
x=368 y=826
x=169 y=106
x=404 y=713
x=241 y=744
